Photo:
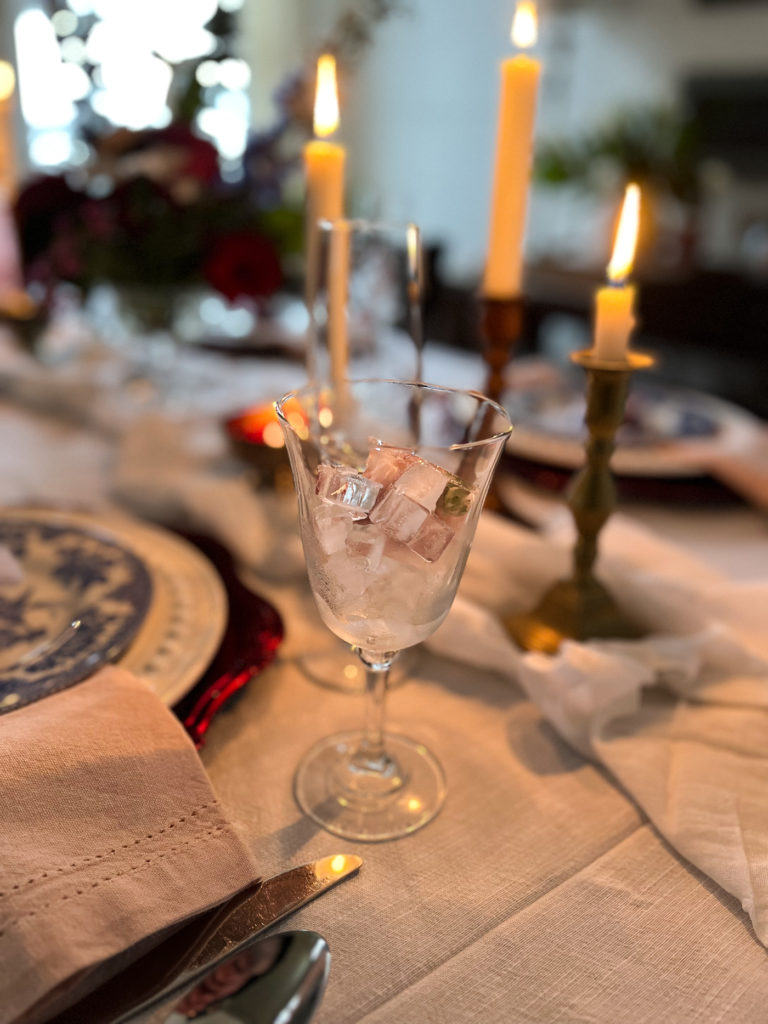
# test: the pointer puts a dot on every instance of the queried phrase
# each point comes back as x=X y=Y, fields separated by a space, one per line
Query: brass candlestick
x=501 y=324
x=580 y=607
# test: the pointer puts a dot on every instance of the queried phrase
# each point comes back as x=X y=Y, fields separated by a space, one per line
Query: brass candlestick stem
x=580 y=607
x=501 y=324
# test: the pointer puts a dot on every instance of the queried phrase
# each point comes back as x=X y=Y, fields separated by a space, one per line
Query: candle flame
x=7 y=80
x=626 y=236
x=326 y=96
x=413 y=246
x=525 y=25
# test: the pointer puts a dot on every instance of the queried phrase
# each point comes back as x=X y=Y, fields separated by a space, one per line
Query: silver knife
x=244 y=918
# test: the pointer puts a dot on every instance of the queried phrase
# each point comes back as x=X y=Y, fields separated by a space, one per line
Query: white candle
x=614 y=304
x=338 y=288
x=323 y=166
x=7 y=153
x=514 y=147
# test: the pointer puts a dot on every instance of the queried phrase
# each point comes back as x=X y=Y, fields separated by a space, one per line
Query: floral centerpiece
x=154 y=211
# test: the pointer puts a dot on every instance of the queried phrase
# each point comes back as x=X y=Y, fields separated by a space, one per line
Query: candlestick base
x=571 y=610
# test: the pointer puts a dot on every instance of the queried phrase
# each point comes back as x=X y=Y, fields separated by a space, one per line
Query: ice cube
x=366 y=541
x=431 y=539
x=385 y=465
x=331 y=524
x=345 y=583
x=398 y=515
x=423 y=482
x=401 y=554
x=342 y=486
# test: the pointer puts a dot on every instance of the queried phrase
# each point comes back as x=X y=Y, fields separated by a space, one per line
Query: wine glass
x=364 y=296
x=391 y=478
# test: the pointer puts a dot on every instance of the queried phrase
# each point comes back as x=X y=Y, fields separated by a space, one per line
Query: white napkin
x=173 y=472
x=692 y=750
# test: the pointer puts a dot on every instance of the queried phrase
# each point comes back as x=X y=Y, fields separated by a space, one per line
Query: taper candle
x=614 y=303
x=7 y=150
x=514 y=147
x=338 y=287
x=324 y=160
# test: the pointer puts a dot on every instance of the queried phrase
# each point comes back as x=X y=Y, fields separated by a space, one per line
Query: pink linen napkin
x=109 y=833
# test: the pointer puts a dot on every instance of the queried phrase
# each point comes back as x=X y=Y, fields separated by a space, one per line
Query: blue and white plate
x=70 y=600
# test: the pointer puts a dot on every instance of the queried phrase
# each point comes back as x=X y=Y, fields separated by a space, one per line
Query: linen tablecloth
x=539 y=893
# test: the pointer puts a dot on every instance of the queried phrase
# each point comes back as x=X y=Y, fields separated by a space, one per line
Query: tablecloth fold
x=680 y=718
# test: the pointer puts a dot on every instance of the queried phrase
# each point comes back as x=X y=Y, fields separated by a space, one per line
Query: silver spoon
x=278 y=978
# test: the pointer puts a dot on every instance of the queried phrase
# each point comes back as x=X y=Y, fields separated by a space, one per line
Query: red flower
x=243 y=265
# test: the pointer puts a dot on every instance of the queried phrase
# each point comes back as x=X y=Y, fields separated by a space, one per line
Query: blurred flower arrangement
x=152 y=208
x=166 y=218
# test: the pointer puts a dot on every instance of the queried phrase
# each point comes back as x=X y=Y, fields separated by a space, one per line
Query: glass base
x=339 y=668
x=388 y=800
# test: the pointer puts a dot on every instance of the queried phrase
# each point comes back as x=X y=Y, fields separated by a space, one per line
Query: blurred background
x=181 y=122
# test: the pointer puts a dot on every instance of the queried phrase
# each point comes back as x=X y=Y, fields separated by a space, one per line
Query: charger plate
x=181 y=625
x=669 y=432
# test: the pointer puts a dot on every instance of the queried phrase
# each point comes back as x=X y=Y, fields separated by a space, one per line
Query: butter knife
x=143 y=987
x=276 y=898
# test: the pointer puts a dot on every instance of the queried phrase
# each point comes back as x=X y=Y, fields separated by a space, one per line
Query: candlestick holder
x=501 y=325
x=580 y=607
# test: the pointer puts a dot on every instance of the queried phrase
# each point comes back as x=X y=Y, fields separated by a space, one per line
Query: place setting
x=383 y=554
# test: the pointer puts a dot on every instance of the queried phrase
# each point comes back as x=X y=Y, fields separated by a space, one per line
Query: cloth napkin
x=110 y=837
x=176 y=472
x=680 y=718
x=737 y=457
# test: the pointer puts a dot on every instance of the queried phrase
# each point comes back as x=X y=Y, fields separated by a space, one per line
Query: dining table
x=543 y=891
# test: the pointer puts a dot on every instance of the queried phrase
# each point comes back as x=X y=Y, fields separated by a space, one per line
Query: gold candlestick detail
x=580 y=607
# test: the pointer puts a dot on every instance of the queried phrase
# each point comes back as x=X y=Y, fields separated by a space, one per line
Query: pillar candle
x=514 y=147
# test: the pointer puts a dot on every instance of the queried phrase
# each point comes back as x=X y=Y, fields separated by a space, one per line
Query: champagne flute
x=391 y=477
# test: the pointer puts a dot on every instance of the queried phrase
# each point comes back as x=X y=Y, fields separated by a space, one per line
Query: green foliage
x=654 y=146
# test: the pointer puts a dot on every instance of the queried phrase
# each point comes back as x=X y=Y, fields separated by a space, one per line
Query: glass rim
x=369 y=224
x=482 y=399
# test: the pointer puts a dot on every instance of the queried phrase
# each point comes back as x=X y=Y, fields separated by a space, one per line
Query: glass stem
x=372 y=755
